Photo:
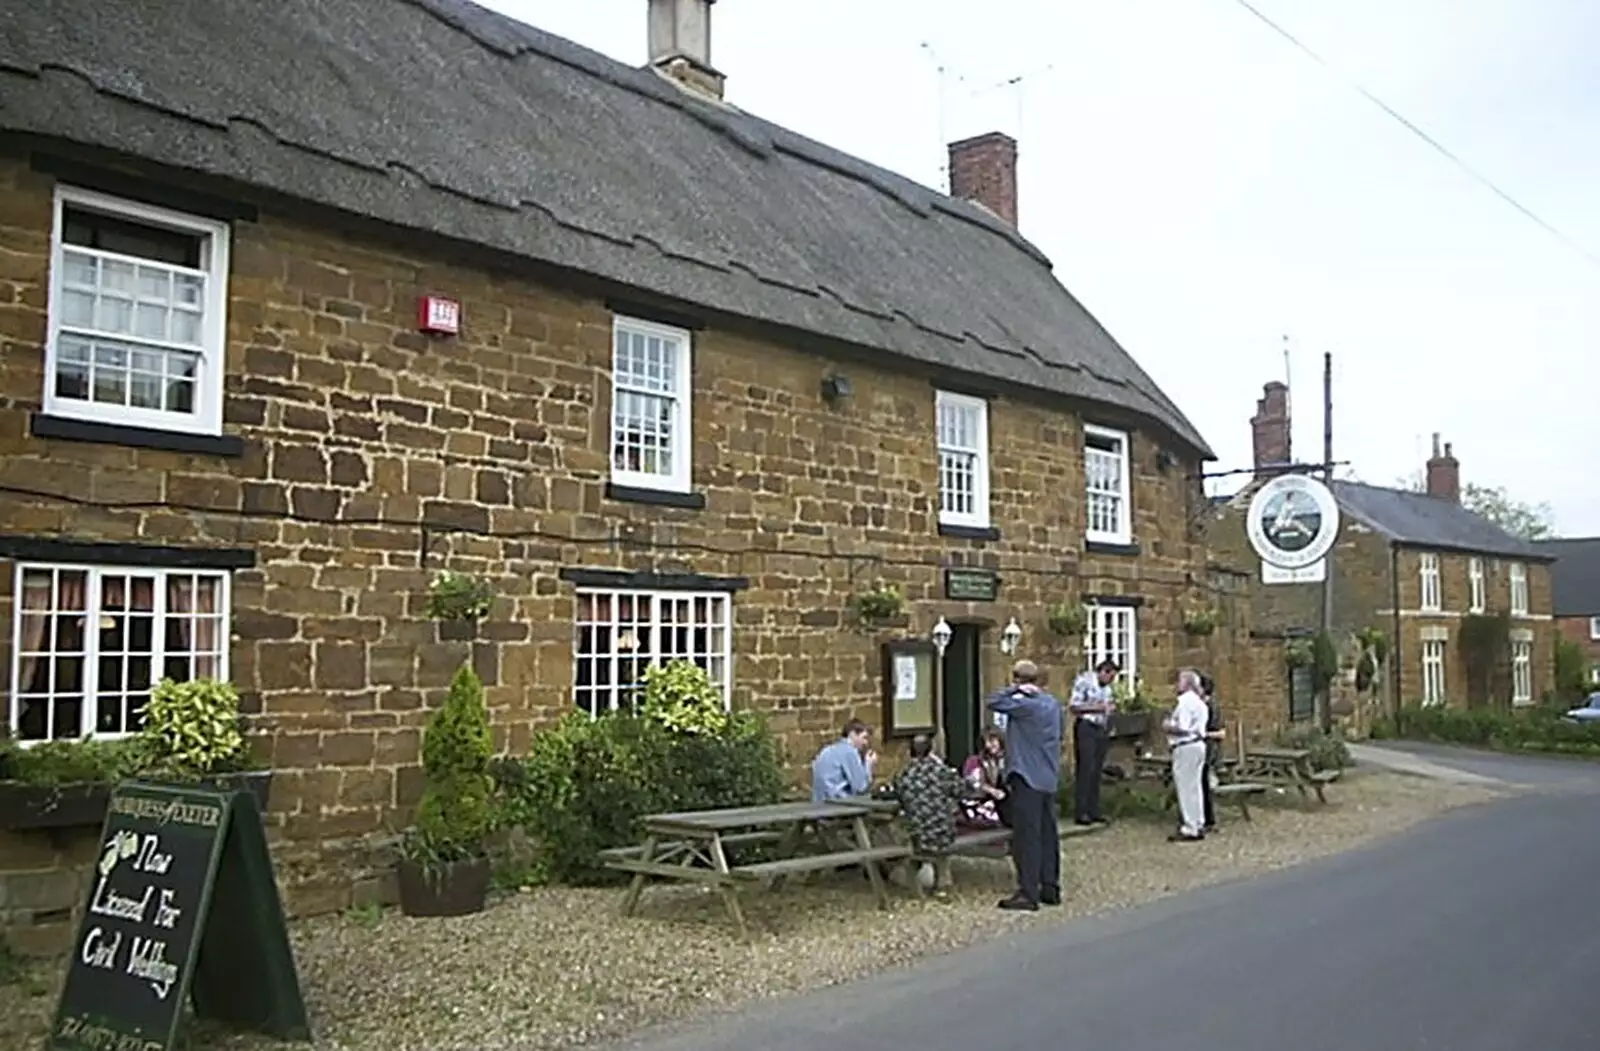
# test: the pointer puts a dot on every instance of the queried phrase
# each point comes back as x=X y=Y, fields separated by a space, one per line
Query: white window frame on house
x=1433 y=671
x=619 y=633
x=1594 y=627
x=1108 y=504
x=665 y=378
x=1476 y=591
x=1431 y=598
x=52 y=642
x=1112 y=632
x=1594 y=675
x=109 y=356
x=1521 y=671
x=961 y=423
x=1519 y=589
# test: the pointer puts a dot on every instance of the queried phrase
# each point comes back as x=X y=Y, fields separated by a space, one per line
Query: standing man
x=1215 y=732
x=1033 y=775
x=1091 y=706
x=844 y=768
x=1186 y=738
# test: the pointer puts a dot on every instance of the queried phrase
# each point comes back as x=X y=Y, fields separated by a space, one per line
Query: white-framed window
x=621 y=634
x=1475 y=588
x=1522 y=672
x=1433 y=671
x=89 y=642
x=1594 y=627
x=1113 y=633
x=963 y=437
x=1594 y=675
x=1431 y=599
x=1519 y=589
x=137 y=314
x=1106 y=468
x=652 y=410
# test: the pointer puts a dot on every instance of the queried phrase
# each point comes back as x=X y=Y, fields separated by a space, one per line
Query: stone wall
x=374 y=456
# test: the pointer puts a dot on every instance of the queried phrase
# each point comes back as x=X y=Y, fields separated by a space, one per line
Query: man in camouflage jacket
x=930 y=793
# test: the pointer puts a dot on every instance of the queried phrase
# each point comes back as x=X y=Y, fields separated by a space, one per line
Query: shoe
x=1050 y=897
x=1017 y=903
x=1179 y=837
x=1083 y=821
x=1101 y=821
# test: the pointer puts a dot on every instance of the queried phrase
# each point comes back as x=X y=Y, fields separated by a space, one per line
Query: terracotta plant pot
x=457 y=888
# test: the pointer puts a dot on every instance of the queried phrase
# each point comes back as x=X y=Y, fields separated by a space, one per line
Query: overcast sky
x=1206 y=190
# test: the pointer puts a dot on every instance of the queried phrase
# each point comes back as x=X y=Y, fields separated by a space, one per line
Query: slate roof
x=1575 y=577
x=442 y=116
x=1428 y=521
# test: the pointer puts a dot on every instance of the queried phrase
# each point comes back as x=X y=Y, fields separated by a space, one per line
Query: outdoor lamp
x=941 y=635
x=1011 y=638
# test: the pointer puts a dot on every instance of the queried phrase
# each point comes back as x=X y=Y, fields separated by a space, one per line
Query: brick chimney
x=1269 y=428
x=1444 y=473
x=984 y=170
x=680 y=45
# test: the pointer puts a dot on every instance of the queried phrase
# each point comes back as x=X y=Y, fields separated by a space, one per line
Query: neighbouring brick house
x=1410 y=564
x=712 y=380
x=1575 y=579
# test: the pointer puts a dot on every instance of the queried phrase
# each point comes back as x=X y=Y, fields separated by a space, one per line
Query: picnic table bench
x=1230 y=787
x=1290 y=766
x=693 y=847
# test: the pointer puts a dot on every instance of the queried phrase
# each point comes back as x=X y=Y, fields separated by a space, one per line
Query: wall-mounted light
x=1011 y=637
x=941 y=636
x=836 y=387
x=1166 y=460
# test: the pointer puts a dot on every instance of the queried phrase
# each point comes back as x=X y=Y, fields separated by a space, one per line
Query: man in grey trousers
x=1033 y=764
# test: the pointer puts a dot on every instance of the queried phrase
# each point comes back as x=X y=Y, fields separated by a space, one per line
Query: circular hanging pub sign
x=1292 y=521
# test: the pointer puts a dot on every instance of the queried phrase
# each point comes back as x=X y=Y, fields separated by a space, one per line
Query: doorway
x=962 y=712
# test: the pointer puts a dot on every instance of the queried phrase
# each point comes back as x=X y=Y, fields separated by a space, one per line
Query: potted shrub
x=59 y=784
x=1068 y=619
x=1134 y=709
x=681 y=697
x=444 y=867
x=193 y=734
x=879 y=604
x=458 y=601
x=1200 y=622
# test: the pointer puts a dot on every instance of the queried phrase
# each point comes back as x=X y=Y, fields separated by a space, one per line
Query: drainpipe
x=1394 y=646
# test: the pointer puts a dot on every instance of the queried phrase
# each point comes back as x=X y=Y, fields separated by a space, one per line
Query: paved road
x=1475 y=932
x=1535 y=771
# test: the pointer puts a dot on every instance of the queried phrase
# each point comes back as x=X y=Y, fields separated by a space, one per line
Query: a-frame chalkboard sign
x=182 y=907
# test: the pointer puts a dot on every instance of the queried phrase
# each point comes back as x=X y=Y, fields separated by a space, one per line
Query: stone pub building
x=710 y=380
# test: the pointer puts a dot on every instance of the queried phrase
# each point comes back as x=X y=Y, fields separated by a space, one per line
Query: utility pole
x=1327 y=561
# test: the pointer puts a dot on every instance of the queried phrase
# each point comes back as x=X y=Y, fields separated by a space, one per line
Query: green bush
x=1539 y=729
x=456 y=813
x=586 y=782
x=1328 y=750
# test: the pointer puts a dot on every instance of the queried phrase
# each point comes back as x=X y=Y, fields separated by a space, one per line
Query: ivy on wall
x=1485 y=641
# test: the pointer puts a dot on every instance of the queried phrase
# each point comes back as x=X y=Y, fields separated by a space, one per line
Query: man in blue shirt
x=1033 y=763
x=844 y=768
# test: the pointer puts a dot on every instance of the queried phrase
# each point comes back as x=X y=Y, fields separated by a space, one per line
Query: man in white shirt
x=1186 y=738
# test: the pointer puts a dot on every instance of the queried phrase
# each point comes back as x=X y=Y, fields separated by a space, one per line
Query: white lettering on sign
x=107 y=902
x=150 y=858
x=148 y=960
x=166 y=913
x=98 y=951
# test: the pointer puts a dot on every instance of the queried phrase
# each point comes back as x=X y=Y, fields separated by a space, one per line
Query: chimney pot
x=1270 y=429
x=1444 y=473
x=983 y=169
x=680 y=44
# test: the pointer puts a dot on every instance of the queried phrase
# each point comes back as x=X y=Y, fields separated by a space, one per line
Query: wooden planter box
x=25 y=807
x=1129 y=724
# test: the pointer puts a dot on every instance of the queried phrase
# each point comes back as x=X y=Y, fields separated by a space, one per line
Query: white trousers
x=1188 y=767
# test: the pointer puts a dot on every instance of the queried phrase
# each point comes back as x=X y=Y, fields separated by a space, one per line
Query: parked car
x=1588 y=713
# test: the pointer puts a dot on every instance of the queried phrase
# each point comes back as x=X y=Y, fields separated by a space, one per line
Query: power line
x=1444 y=151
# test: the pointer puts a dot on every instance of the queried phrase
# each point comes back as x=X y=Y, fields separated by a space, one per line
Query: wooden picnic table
x=693 y=847
x=1290 y=766
x=1230 y=787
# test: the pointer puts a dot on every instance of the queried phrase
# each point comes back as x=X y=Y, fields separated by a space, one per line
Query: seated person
x=930 y=793
x=985 y=774
x=844 y=768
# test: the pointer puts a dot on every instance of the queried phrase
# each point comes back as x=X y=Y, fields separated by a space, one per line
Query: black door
x=963 y=692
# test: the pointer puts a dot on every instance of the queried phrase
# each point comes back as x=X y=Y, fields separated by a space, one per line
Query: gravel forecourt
x=559 y=968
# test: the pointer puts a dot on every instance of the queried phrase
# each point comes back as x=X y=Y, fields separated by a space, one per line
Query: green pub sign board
x=971 y=585
x=182 y=908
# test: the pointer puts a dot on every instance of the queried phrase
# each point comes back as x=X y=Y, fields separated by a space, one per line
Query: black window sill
x=969 y=532
x=629 y=494
x=70 y=430
x=1100 y=547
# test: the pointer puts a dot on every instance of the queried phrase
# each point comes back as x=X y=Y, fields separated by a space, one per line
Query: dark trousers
x=1207 y=803
x=1089 y=743
x=1035 y=839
